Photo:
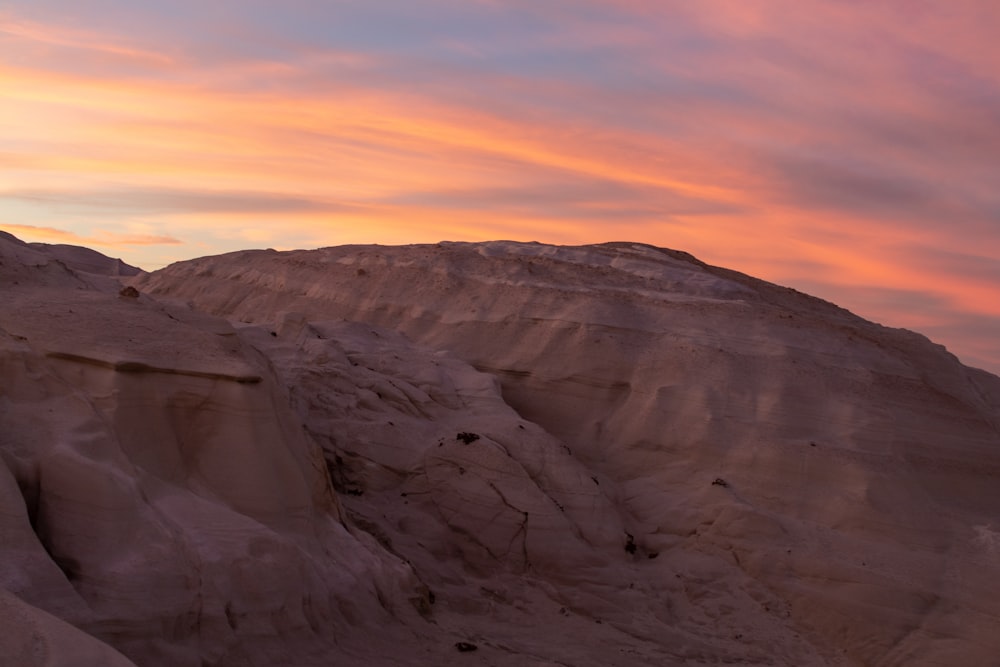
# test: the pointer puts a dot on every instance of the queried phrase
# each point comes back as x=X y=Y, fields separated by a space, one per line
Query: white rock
x=586 y=456
x=853 y=461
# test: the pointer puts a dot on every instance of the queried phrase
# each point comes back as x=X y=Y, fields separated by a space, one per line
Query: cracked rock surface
x=365 y=455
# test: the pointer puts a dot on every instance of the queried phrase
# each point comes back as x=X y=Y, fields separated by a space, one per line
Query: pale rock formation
x=85 y=260
x=34 y=638
x=599 y=455
x=159 y=494
x=817 y=488
x=518 y=541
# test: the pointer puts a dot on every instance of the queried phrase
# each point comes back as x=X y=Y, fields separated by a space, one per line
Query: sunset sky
x=848 y=149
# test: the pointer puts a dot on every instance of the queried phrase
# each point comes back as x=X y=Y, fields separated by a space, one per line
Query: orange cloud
x=78 y=40
x=99 y=238
x=811 y=146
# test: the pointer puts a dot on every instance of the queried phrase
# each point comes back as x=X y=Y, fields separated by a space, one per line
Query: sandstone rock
x=34 y=638
x=860 y=462
x=586 y=456
x=160 y=495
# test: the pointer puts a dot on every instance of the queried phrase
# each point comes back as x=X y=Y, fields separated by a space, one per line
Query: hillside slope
x=782 y=471
x=159 y=493
x=583 y=456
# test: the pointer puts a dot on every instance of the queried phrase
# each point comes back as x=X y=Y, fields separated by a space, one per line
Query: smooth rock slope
x=839 y=474
x=159 y=493
x=493 y=453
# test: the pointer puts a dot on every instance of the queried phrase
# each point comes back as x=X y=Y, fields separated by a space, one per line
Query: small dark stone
x=130 y=292
x=630 y=543
x=720 y=482
x=465 y=647
x=653 y=554
x=467 y=438
x=274 y=334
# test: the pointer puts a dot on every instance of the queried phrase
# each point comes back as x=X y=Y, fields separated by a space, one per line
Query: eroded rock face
x=517 y=540
x=34 y=638
x=856 y=518
x=386 y=456
x=159 y=493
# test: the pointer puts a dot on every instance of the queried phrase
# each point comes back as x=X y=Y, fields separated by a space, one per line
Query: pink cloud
x=831 y=144
x=99 y=238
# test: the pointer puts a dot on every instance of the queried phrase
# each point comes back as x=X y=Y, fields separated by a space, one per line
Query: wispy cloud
x=827 y=145
x=98 y=238
x=167 y=200
x=86 y=46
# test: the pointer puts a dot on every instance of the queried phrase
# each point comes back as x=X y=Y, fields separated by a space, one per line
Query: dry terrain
x=500 y=453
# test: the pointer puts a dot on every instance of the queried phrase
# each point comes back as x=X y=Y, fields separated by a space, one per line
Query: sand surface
x=602 y=455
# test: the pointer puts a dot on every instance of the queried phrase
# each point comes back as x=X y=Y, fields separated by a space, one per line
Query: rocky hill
x=595 y=455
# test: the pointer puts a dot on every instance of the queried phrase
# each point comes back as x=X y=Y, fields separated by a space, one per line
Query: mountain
x=595 y=455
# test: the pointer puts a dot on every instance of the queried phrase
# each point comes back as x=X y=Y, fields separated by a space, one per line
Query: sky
x=848 y=148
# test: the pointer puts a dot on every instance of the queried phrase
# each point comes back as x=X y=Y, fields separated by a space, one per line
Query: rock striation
x=859 y=464
x=159 y=493
x=513 y=453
